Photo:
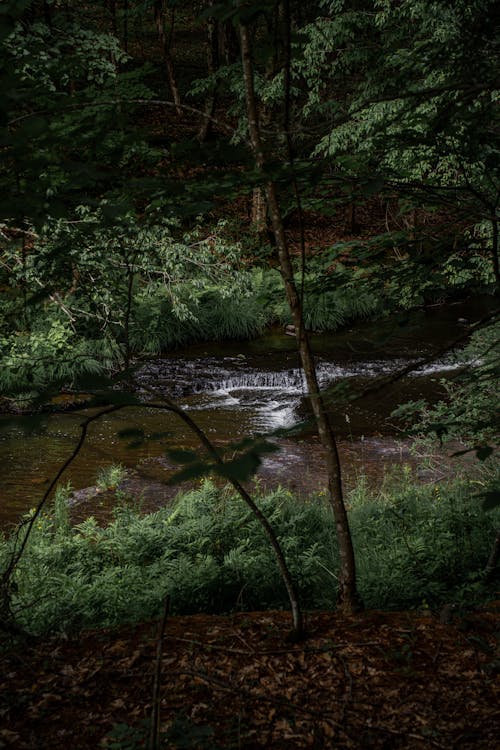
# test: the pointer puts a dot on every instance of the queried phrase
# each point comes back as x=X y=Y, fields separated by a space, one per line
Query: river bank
x=236 y=389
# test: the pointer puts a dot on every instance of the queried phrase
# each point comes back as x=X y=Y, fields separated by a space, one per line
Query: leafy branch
x=27 y=526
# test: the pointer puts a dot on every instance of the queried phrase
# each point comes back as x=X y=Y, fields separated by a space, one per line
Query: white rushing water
x=272 y=395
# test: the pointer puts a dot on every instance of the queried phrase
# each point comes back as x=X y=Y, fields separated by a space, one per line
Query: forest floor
x=373 y=680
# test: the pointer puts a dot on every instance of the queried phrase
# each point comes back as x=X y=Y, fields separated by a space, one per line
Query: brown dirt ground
x=373 y=680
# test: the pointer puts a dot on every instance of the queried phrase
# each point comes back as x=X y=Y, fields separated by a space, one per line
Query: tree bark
x=125 y=25
x=491 y=565
x=348 y=597
x=213 y=65
x=494 y=253
x=228 y=43
x=351 y=226
x=160 y=10
x=111 y=8
x=259 y=213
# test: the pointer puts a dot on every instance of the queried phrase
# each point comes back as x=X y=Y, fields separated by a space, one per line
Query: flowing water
x=234 y=390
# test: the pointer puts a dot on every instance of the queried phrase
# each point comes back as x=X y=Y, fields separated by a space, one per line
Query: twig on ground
x=154 y=729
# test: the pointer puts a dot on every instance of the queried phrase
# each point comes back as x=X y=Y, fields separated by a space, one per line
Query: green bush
x=421 y=543
x=416 y=545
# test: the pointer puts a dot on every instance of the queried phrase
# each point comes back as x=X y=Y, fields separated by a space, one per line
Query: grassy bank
x=56 y=349
x=417 y=546
x=58 y=352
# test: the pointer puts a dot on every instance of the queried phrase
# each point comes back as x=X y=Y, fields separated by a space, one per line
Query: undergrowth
x=416 y=545
x=56 y=352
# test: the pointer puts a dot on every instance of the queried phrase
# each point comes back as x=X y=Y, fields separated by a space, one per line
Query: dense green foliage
x=147 y=306
x=106 y=294
x=417 y=546
x=111 y=247
x=471 y=411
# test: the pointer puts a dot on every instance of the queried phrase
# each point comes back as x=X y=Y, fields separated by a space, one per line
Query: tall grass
x=55 y=354
x=324 y=308
x=210 y=316
x=416 y=546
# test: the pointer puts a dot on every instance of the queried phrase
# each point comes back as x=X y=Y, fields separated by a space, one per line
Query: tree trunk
x=228 y=43
x=213 y=65
x=348 y=598
x=491 y=565
x=351 y=226
x=160 y=11
x=259 y=213
x=111 y=9
x=125 y=25
x=494 y=253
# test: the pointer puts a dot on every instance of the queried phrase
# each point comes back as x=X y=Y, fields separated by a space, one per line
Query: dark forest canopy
x=104 y=104
x=130 y=194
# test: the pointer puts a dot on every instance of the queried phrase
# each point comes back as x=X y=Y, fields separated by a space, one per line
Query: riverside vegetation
x=182 y=172
x=417 y=546
x=126 y=232
x=60 y=345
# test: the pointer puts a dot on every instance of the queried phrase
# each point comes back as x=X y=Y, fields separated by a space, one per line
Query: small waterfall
x=287 y=380
x=210 y=375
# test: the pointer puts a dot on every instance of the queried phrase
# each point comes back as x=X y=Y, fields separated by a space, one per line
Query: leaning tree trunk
x=348 y=598
x=297 y=632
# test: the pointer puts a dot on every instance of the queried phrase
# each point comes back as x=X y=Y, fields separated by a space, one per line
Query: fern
x=414 y=543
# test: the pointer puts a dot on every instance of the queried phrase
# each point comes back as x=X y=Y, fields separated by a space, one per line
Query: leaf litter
x=372 y=680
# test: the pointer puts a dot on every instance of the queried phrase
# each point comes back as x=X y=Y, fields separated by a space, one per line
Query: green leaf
x=483 y=452
x=239 y=469
x=181 y=456
x=491 y=500
x=193 y=471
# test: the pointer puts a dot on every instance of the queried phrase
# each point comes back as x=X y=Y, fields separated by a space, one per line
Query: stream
x=237 y=389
